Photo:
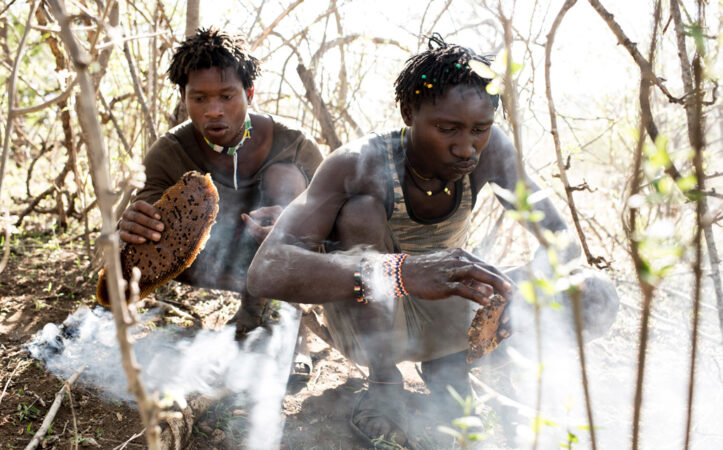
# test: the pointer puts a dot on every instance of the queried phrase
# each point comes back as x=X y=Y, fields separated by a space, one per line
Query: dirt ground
x=46 y=280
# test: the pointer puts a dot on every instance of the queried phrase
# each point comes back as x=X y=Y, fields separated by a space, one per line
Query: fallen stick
x=9 y=379
x=53 y=411
x=135 y=436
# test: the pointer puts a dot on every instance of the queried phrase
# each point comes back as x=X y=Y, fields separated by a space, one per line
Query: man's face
x=447 y=136
x=217 y=102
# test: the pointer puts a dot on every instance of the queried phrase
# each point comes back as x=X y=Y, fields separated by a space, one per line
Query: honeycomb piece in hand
x=482 y=333
x=188 y=210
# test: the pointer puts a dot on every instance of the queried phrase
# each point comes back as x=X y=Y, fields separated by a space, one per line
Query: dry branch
x=11 y=101
x=321 y=112
x=646 y=68
x=108 y=240
x=270 y=28
x=597 y=261
x=694 y=125
x=139 y=92
x=40 y=434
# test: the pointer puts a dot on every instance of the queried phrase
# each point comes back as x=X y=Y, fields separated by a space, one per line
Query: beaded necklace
x=234 y=150
x=415 y=174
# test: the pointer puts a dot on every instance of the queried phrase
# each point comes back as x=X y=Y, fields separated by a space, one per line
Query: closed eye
x=480 y=130
x=446 y=129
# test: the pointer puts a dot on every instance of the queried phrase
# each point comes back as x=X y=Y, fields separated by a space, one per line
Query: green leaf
x=687 y=182
x=457 y=398
x=450 y=431
x=528 y=291
x=545 y=285
x=468 y=422
x=536 y=216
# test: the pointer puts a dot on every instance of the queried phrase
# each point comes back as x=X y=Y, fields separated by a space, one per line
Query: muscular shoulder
x=354 y=169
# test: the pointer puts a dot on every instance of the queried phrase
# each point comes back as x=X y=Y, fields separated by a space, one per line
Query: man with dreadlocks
x=391 y=213
x=257 y=164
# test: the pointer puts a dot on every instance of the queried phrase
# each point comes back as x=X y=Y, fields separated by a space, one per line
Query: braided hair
x=428 y=74
x=208 y=48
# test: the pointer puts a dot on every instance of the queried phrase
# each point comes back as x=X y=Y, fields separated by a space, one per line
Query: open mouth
x=216 y=131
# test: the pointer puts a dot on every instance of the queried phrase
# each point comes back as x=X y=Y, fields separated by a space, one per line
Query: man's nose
x=464 y=148
x=214 y=109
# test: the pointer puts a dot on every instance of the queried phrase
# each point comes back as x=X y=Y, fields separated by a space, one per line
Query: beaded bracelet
x=379 y=277
x=392 y=265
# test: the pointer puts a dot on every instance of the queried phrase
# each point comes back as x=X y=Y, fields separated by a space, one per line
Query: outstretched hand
x=259 y=222
x=440 y=275
x=139 y=223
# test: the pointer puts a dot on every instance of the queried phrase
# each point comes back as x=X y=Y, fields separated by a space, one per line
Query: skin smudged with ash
x=188 y=211
x=482 y=332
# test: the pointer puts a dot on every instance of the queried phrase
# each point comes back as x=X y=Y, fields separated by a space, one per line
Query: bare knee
x=362 y=221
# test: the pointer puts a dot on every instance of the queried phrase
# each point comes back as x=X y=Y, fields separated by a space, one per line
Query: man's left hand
x=259 y=222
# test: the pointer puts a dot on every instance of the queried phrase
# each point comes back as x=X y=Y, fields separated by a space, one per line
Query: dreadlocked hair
x=428 y=74
x=208 y=48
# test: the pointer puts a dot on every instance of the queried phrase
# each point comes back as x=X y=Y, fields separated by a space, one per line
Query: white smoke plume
x=180 y=362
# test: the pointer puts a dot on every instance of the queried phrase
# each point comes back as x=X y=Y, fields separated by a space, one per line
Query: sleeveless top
x=414 y=235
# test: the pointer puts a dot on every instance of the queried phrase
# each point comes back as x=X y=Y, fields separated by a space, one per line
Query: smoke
x=612 y=370
x=180 y=362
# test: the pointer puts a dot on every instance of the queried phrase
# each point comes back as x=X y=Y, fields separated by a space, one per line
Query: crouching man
x=378 y=236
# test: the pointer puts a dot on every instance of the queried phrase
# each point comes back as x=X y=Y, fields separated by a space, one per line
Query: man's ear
x=250 y=94
x=407 y=114
x=183 y=94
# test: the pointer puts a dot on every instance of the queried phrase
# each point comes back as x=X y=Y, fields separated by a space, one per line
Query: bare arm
x=288 y=266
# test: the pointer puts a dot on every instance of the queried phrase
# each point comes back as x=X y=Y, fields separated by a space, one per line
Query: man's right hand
x=440 y=275
x=140 y=223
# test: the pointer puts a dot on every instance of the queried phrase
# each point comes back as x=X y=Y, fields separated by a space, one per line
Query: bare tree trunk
x=193 y=17
x=321 y=112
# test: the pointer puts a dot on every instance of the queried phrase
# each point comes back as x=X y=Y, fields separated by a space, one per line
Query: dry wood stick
x=40 y=434
x=646 y=68
x=319 y=109
x=698 y=145
x=510 y=102
x=270 y=28
x=9 y=379
x=11 y=100
x=646 y=287
x=598 y=261
x=693 y=125
x=108 y=240
x=128 y=441
x=139 y=92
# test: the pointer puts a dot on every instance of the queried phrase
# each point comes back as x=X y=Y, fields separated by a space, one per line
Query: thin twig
x=139 y=92
x=125 y=444
x=11 y=101
x=9 y=379
x=693 y=126
x=40 y=434
x=645 y=286
x=273 y=25
x=74 y=441
x=599 y=261
x=697 y=140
